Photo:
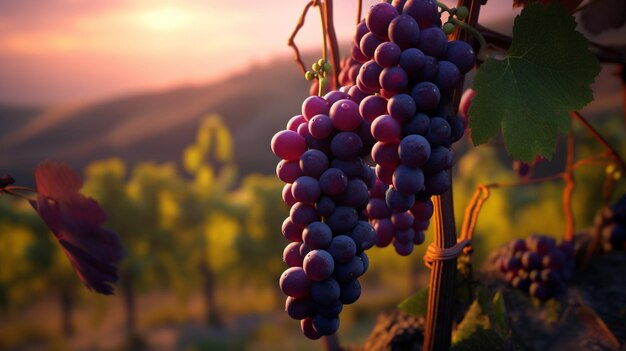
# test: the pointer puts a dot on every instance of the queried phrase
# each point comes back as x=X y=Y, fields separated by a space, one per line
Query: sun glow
x=166 y=19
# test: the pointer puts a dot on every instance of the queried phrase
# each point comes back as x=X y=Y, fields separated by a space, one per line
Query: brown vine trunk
x=130 y=305
x=441 y=293
x=67 y=307
x=208 y=291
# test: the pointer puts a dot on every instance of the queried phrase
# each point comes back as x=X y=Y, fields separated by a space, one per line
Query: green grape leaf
x=499 y=317
x=416 y=304
x=480 y=339
x=547 y=72
x=474 y=320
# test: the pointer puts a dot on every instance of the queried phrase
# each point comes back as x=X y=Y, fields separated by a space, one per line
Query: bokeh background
x=167 y=108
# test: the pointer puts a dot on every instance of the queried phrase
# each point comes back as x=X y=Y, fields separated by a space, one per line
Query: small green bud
x=315 y=67
x=327 y=67
x=309 y=75
x=448 y=28
x=321 y=62
x=462 y=13
x=324 y=82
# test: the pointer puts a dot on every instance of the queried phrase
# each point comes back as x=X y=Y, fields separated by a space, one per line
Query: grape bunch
x=327 y=188
x=538 y=265
x=611 y=224
x=408 y=71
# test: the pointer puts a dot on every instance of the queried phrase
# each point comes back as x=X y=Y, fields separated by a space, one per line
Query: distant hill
x=156 y=126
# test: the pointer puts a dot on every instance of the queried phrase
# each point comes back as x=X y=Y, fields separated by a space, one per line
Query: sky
x=68 y=51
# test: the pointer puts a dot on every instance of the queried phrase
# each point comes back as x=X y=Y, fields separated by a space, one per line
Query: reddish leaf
x=570 y=5
x=76 y=222
x=603 y=15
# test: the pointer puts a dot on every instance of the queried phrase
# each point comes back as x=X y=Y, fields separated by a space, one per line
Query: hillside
x=156 y=126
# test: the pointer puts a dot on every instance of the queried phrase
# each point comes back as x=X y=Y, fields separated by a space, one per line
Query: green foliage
x=416 y=304
x=546 y=73
x=485 y=325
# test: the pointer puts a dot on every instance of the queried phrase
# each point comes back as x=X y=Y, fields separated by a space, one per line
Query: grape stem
x=332 y=39
x=359 y=10
x=610 y=149
x=14 y=190
x=570 y=184
x=292 y=39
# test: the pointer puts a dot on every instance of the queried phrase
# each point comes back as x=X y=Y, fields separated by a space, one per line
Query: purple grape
x=404 y=31
x=342 y=248
x=531 y=260
x=433 y=42
x=314 y=105
x=345 y=272
x=394 y=79
x=360 y=31
x=343 y=219
x=372 y=107
x=428 y=73
x=295 y=282
x=358 y=56
x=332 y=310
x=408 y=180
x=313 y=163
x=412 y=60
x=306 y=190
x=291 y=255
x=437 y=183
x=325 y=292
x=288 y=171
x=385 y=173
x=325 y=206
x=370 y=75
x=317 y=235
x=369 y=43
x=402 y=220
x=448 y=76
x=290 y=231
x=288 y=145
x=346 y=146
x=422 y=210
x=401 y=107
x=440 y=159
x=426 y=96
x=355 y=195
x=398 y=202
x=325 y=325
x=418 y=124
x=333 y=181
x=306 y=325
x=439 y=132
x=540 y=290
x=461 y=54
x=357 y=95
x=334 y=96
x=377 y=209
x=378 y=18
x=403 y=248
x=300 y=308
x=364 y=236
x=405 y=236
x=344 y=115
x=386 y=154
x=386 y=129
x=385 y=230
x=303 y=214
x=294 y=122
x=350 y=292
x=425 y=12
x=414 y=150
x=287 y=197
x=457 y=127
x=320 y=126
x=387 y=54
x=318 y=265
x=419 y=238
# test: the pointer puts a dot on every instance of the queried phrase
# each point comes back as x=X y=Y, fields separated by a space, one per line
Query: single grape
x=288 y=145
x=433 y=42
x=300 y=308
x=404 y=32
x=387 y=54
x=346 y=146
x=325 y=292
x=343 y=219
x=291 y=255
x=313 y=163
x=290 y=231
x=350 y=292
x=379 y=16
x=314 y=105
x=401 y=107
x=386 y=129
x=372 y=107
x=317 y=235
x=342 y=248
x=394 y=79
x=318 y=265
x=414 y=150
x=295 y=282
x=320 y=126
x=426 y=96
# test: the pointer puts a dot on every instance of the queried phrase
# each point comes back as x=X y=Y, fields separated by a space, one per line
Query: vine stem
x=332 y=39
x=292 y=39
x=568 y=190
x=441 y=292
x=610 y=149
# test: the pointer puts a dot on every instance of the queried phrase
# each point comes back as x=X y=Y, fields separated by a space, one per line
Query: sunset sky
x=60 y=51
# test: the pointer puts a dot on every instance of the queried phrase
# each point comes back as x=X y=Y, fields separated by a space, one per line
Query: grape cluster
x=611 y=222
x=327 y=189
x=407 y=71
x=538 y=265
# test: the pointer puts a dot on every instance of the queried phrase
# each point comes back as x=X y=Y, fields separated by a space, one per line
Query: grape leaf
x=546 y=73
x=416 y=304
x=76 y=222
x=602 y=15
